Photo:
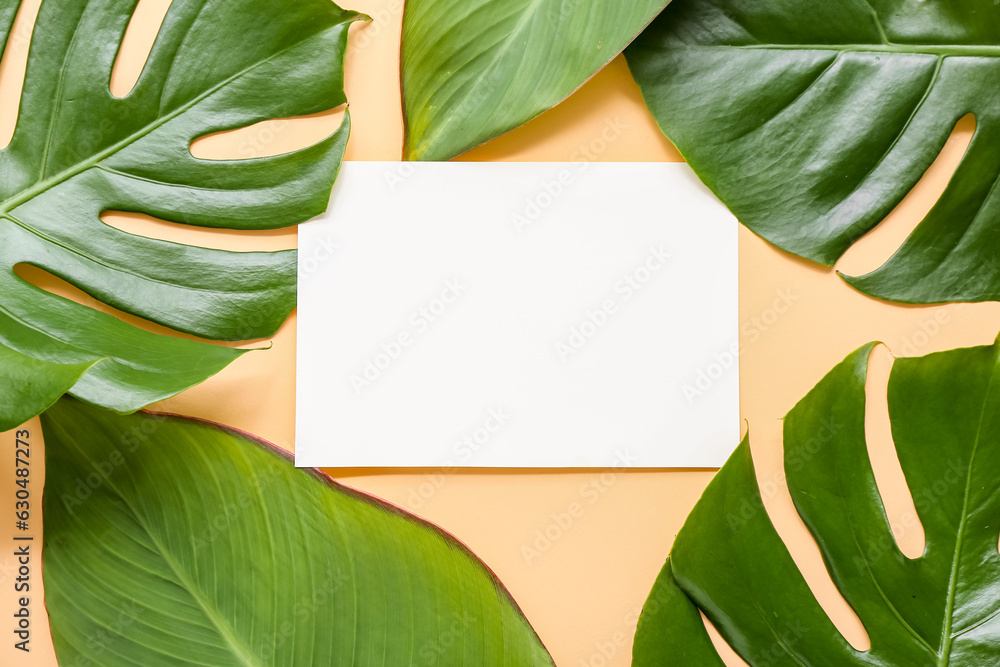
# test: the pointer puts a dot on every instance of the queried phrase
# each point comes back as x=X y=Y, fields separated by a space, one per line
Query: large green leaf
x=942 y=608
x=474 y=69
x=174 y=542
x=812 y=119
x=78 y=150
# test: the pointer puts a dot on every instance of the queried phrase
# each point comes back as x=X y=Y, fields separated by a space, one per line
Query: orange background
x=584 y=592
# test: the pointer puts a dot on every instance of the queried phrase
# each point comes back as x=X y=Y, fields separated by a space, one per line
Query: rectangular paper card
x=518 y=315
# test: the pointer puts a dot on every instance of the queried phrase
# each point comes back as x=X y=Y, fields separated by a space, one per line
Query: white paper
x=518 y=315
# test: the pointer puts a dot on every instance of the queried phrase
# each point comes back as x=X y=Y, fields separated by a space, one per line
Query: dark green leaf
x=942 y=608
x=172 y=542
x=78 y=151
x=475 y=69
x=813 y=119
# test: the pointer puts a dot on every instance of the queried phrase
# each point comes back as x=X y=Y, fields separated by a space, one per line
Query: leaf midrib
x=239 y=649
x=219 y=622
x=40 y=187
x=942 y=50
x=947 y=638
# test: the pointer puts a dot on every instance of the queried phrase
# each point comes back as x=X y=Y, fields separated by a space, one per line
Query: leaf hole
x=138 y=41
x=53 y=284
x=267 y=138
x=730 y=657
x=767 y=455
x=12 y=67
x=896 y=497
x=139 y=224
x=875 y=248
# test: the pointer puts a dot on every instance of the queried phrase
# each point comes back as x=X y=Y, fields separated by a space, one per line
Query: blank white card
x=518 y=315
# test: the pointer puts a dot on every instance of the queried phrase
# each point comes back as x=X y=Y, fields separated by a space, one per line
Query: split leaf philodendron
x=475 y=69
x=174 y=542
x=942 y=608
x=78 y=150
x=812 y=119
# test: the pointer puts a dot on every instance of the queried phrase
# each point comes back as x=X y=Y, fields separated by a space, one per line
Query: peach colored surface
x=583 y=591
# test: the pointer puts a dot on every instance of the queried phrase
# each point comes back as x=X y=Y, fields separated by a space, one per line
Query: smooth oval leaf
x=475 y=69
x=77 y=151
x=812 y=120
x=942 y=608
x=174 y=542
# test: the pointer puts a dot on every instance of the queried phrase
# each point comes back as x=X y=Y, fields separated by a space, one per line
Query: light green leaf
x=813 y=119
x=475 y=69
x=172 y=542
x=78 y=151
x=942 y=608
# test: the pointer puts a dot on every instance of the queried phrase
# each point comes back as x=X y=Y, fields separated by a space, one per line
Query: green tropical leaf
x=942 y=608
x=78 y=150
x=174 y=542
x=813 y=119
x=29 y=386
x=475 y=69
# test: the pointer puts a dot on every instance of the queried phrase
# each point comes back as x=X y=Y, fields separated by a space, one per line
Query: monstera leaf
x=78 y=150
x=942 y=608
x=173 y=542
x=474 y=69
x=812 y=119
